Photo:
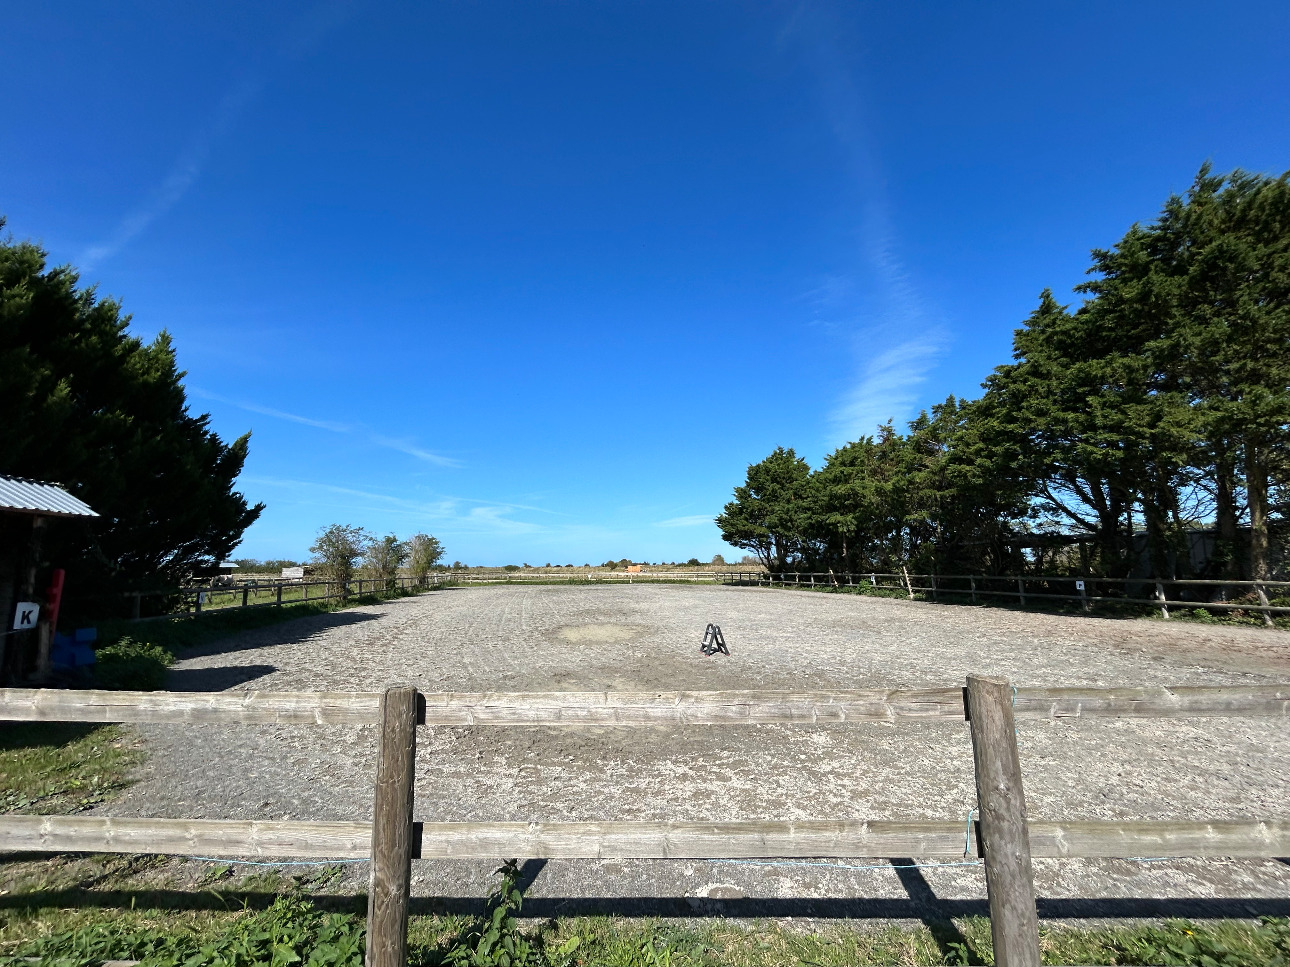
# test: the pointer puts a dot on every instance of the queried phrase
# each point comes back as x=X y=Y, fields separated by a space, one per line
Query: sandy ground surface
x=646 y=636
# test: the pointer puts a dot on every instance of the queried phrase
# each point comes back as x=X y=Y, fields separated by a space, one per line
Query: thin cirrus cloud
x=484 y=517
x=307 y=31
x=270 y=411
x=402 y=446
x=181 y=177
x=693 y=520
x=887 y=389
x=877 y=295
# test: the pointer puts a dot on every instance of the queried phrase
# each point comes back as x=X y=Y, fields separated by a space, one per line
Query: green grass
x=169 y=939
x=61 y=767
x=176 y=634
x=263 y=914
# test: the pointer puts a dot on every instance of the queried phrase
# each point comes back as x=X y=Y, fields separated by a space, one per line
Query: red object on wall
x=54 y=597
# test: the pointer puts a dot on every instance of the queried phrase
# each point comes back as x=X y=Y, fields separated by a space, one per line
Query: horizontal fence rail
x=758 y=707
x=1038 y=587
x=193 y=601
x=241 y=708
x=744 y=839
x=189 y=837
x=1003 y=836
x=757 y=839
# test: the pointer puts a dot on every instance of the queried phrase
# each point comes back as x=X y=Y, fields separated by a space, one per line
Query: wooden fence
x=271 y=594
x=975 y=588
x=586 y=576
x=1039 y=587
x=1004 y=837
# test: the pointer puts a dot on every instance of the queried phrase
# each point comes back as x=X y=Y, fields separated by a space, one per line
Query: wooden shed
x=26 y=507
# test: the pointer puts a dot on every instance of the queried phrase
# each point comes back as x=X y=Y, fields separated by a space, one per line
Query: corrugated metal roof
x=37 y=497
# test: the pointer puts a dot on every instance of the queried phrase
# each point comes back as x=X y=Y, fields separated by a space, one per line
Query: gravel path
x=646 y=636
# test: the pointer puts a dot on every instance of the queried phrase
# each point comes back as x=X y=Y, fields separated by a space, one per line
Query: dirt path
x=646 y=636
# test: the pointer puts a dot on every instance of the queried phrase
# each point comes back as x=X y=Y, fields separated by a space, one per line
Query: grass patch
x=49 y=768
x=293 y=930
x=178 y=633
x=266 y=918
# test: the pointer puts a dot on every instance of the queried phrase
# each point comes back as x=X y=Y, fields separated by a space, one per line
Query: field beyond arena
x=644 y=637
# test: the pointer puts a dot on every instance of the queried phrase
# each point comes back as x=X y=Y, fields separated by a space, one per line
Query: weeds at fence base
x=56 y=912
x=295 y=931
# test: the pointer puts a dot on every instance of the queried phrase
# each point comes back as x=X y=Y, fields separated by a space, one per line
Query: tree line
x=1157 y=407
x=339 y=550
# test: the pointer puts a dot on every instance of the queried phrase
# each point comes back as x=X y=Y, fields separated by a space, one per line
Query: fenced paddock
x=644 y=639
x=1002 y=836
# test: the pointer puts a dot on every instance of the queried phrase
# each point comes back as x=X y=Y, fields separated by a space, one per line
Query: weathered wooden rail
x=1024 y=588
x=751 y=707
x=194 y=601
x=1005 y=837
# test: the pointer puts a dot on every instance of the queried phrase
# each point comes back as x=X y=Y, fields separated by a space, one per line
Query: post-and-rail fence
x=1005 y=837
x=1087 y=592
x=190 y=601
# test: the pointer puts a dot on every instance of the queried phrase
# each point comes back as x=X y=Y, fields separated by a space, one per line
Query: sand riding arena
x=644 y=637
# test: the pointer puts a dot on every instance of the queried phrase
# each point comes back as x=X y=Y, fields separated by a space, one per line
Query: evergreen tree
x=772 y=511
x=91 y=407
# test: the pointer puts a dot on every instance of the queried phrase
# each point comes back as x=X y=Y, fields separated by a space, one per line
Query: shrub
x=132 y=665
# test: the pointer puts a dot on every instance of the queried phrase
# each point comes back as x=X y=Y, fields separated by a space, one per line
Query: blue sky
x=542 y=279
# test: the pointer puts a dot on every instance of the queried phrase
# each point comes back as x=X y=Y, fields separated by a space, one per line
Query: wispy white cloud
x=305 y=33
x=455 y=512
x=887 y=388
x=270 y=411
x=403 y=446
x=896 y=335
x=693 y=520
x=181 y=177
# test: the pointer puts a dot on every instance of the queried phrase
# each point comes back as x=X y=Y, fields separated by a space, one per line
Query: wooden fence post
x=1263 y=600
x=1021 y=590
x=972 y=583
x=245 y=591
x=933 y=577
x=1160 y=596
x=279 y=601
x=387 y=894
x=1005 y=835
